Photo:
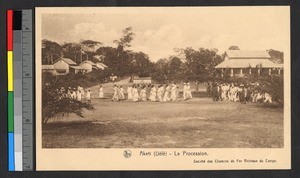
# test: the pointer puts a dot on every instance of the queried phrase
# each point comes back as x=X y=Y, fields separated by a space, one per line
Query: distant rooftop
x=247 y=54
x=67 y=60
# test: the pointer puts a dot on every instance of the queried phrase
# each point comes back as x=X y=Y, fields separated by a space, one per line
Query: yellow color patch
x=10 y=71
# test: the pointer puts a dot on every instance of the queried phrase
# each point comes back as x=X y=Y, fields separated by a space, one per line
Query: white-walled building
x=141 y=80
x=100 y=65
x=88 y=66
x=240 y=63
x=62 y=66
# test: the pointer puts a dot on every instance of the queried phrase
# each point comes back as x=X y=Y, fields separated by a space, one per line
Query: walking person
x=188 y=91
x=88 y=96
x=100 y=92
x=121 y=93
x=167 y=94
x=135 y=94
x=129 y=93
x=115 y=95
x=173 y=92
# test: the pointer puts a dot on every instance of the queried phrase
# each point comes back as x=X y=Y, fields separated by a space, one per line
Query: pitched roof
x=253 y=63
x=67 y=60
x=101 y=64
x=88 y=62
x=47 y=67
x=77 y=67
x=142 y=78
x=247 y=54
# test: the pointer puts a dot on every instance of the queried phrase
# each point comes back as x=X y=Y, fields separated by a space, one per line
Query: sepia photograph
x=141 y=77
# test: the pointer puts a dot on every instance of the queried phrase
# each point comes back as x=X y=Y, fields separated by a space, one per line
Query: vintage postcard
x=163 y=88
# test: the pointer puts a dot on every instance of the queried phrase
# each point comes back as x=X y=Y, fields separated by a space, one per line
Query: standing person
x=166 y=95
x=153 y=93
x=121 y=93
x=159 y=93
x=143 y=94
x=129 y=93
x=115 y=95
x=88 y=96
x=78 y=93
x=184 y=92
x=73 y=94
x=188 y=91
x=208 y=89
x=100 y=92
x=268 y=98
x=173 y=92
x=135 y=94
x=215 y=91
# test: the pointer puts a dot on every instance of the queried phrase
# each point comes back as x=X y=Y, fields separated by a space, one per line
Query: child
x=88 y=96
x=101 y=95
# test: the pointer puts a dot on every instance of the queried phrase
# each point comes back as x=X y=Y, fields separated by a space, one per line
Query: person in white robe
x=78 y=94
x=184 y=91
x=153 y=93
x=143 y=94
x=116 y=94
x=135 y=94
x=188 y=91
x=173 y=92
x=129 y=93
x=100 y=92
x=159 y=93
x=88 y=96
x=73 y=94
x=167 y=94
x=121 y=93
x=268 y=98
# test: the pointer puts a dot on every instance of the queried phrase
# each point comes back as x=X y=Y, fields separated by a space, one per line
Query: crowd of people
x=78 y=93
x=250 y=92
x=219 y=91
x=149 y=92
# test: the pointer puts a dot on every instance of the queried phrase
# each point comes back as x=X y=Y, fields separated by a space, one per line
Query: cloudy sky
x=160 y=30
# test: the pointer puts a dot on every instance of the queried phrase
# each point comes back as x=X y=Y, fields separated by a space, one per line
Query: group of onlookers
x=249 y=92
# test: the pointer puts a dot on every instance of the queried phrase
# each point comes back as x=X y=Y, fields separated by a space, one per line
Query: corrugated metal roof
x=142 y=78
x=253 y=63
x=77 y=67
x=101 y=64
x=69 y=61
x=88 y=62
x=247 y=54
x=47 y=67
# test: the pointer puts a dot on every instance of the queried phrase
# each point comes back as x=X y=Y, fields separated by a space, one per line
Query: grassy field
x=197 y=123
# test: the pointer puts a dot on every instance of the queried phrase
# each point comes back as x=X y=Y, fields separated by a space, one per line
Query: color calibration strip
x=20 y=90
x=10 y=84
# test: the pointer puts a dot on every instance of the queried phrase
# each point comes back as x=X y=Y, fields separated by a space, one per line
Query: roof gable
x=239 y=54
x=101 y=64
x=67 y=60
x=88 y=62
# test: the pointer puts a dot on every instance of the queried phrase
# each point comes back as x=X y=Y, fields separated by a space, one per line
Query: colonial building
x=48 y=69
x=100 y=65
x=62 y=66
x=144 y=80
x=88 y=66
x=240 y=63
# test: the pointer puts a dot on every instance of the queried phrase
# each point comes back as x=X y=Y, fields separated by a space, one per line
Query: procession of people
x=218 y=91
x=244 y=92
x=150 y=92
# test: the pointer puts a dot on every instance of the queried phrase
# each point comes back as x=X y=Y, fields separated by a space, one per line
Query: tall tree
x=125 y=40
x=276 y=56
x=233 y=48
x=51 y=51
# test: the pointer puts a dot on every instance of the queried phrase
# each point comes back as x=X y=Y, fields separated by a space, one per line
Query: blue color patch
x=11 y=152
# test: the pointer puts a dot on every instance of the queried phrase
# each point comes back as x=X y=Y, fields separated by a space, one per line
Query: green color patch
x=10 y=112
